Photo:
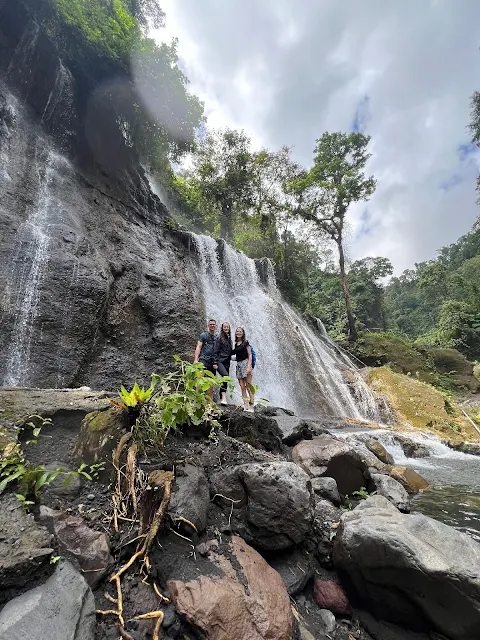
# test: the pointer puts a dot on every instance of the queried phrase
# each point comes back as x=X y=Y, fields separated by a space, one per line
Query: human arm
x=198 y=348
x=249 y=367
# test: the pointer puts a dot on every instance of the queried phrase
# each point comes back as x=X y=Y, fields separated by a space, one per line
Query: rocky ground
x=268 y=536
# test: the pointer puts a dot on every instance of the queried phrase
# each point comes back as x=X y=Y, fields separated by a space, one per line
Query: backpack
x=254 y=356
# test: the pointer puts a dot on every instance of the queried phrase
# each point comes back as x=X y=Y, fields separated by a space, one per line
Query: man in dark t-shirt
x=204 y=351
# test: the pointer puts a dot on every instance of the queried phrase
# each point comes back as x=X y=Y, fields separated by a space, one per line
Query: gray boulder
x=280 y=504
x=391 y=490
x=61 y=609
x=295 y=429
x=25 y=548
x=328 y=456
x=190 y=495
x=326 y=488
x=274 y=502
x=411 y=569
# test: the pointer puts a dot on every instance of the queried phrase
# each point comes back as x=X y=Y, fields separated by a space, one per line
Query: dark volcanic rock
x=273 y=502
x=256 y=429
x=410 y=569
x=25 y=548
x=190 y=495
x=295 y=567
x=90 y=276
x=61 y=609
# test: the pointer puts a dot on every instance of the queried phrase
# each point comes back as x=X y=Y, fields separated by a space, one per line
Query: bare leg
x=243 y=387
x=250 y=389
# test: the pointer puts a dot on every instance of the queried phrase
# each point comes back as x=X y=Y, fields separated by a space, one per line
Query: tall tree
x=222 y=171
x=335 y=181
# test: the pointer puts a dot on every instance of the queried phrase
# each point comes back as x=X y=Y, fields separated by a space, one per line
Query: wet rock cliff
x=93 y=287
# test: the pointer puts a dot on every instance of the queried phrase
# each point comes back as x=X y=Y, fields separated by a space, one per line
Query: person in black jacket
x=243 y=354
x=222 y=357
x=204 y=351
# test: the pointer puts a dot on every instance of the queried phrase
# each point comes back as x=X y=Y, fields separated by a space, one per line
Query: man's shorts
x=208 y=366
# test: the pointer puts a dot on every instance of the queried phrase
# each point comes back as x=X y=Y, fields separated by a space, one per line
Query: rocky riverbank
x=268 y=536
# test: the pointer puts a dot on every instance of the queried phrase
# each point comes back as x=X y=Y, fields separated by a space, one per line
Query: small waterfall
x=29 y=264
x=296 y=367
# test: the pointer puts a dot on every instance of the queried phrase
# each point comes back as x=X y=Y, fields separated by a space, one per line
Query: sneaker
x=224 y=402
x=250 y=410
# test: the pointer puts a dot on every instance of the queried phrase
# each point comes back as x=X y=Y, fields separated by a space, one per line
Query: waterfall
x=29 y=266
x=297 y=367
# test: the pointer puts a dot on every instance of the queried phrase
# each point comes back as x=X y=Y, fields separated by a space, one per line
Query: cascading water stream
x=29 y=265
x=296 y=367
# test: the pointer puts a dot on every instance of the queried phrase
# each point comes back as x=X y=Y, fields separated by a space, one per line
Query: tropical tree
x=335 y=181
x=222 y=172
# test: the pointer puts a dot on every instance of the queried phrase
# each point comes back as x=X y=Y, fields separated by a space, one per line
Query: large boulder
x=270 y=504
x=411 y=569
x=248 y=601
x=190 y=495
x=87 y=549
x=25 y=548
x=61 y=609
x=280 y=505
x=257 y=429
x=327 y=456
x=392 y=490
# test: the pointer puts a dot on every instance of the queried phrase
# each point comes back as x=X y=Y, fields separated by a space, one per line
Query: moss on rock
x=420 y=405
x=444 y=368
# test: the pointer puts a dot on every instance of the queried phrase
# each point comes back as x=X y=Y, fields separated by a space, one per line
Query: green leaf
x=36 y=432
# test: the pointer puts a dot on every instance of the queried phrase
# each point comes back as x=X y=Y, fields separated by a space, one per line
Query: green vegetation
x=14 y=468
x=175 y=400
x=265 y=203
x=422 y=406
x=148 y=102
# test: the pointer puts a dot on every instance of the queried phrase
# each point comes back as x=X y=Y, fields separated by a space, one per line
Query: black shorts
x=208 y=366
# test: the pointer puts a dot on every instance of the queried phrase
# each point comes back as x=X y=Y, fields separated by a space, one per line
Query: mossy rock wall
x=420 y=405
x=445 y=368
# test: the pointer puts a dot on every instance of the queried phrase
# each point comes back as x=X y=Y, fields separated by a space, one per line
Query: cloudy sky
x=402 y=71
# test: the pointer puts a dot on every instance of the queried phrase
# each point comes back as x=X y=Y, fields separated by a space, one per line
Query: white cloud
x=285 y=73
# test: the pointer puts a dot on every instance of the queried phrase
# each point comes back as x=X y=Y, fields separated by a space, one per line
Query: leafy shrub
x=172 y=401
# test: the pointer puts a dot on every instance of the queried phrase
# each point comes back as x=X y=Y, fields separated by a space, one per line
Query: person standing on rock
x=243 y=353
x=223 y=355
x=204 y=351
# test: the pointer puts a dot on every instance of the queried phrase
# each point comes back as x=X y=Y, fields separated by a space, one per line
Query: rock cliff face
x=93 y=287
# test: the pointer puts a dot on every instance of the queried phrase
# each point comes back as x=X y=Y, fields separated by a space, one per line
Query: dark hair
x=226 y=337
x=212 y=320
x=244 y=338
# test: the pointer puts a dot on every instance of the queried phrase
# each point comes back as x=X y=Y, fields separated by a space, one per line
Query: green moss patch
x=444 y=368
x=421 y=405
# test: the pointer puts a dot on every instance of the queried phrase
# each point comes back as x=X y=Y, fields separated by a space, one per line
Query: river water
x=454 y=493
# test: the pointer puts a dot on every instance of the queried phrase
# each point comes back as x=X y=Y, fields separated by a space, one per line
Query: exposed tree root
x=143 y=497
